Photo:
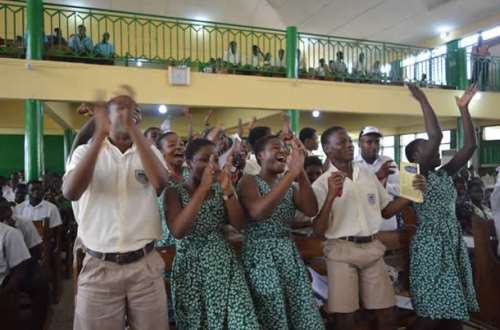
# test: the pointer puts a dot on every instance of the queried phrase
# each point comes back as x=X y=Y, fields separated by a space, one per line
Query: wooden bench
x=486 y=272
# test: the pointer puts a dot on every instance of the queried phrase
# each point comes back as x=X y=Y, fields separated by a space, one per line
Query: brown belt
x=359 y=239
x=122 y=258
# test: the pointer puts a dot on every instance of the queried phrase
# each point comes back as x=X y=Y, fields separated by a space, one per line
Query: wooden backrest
x=487 y=273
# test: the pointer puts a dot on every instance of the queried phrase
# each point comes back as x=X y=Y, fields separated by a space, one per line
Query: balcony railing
x=151 y=40
x=485 y=70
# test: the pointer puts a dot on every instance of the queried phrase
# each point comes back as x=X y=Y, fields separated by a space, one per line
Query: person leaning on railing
x=80 y=43
x=104 y=48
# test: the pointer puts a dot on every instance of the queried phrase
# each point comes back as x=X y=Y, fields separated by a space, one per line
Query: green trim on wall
x=12 y=155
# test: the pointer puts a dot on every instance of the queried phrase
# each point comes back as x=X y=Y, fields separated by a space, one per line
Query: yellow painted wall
x=61 y=81
x=12 y=122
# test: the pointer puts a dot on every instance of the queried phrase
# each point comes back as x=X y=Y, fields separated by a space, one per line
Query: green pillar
x=33 y=140
x=69 y=136
x=459 y=134
x=397 y=149
x=33 y=109
x=292 y=70
x=456 y=65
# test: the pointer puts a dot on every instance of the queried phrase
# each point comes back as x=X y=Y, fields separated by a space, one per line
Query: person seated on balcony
x=359 y=68
x=211 y=66
x=232 y=55
x=256 y=57
x=57 y=39
x=267 y=58
x=339 y=66
x=280 y=61
x=80 y=43
x=322 y=70
x=19 y=42
x=104 y=48
x=36 y=208
x=495 y=207
x=376 y=71
x=309 y=139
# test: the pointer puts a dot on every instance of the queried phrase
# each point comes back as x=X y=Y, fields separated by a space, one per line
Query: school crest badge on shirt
x=141 y=177
x=372 y=199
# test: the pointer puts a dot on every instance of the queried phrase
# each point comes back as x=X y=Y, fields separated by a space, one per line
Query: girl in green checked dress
x=276 y=274
x=208 y=282
x=441 y=283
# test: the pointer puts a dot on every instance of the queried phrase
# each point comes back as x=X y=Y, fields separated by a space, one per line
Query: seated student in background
x=232 y=55
x=441 y=283
x=35 y=281
x=36 y=208
x=80 y=43
x=314 y=169
x=339 y=66
x=477 y=205
x=280 y=61
x=20 y=193
x=152 y=134
x=6 y=190
x=352 y=204
x=382 y=166
x=495 y=207
x=322 y=70
x=309 y=139
x=208 y=283
x=104 y=48
x=276 y=274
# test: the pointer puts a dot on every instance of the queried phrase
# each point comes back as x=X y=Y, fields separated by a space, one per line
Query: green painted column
x=33 y=109
x=459 y=134
x=69 y=136
x=397 y=149
x=33 y=140
x=456 y=65
x=292 y=71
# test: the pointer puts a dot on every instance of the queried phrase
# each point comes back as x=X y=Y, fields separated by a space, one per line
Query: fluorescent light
x=444 y=35
x=162 y=109
x=491 y=33
x=468 y=41
x=316 y=113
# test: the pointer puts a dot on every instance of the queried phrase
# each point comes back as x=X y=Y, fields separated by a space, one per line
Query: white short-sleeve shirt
x=358 y=212
x=13 y=250
x=28 y=229
x=43 y=210
x=118 y=212
x=495 y=208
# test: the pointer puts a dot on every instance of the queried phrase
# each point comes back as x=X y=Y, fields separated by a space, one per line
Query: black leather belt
x=359 y=239
x=122 y=258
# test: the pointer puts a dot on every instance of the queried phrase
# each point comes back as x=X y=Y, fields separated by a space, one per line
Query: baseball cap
x=370 y=130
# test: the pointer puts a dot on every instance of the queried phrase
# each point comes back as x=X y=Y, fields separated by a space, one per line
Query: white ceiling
x=401 y=21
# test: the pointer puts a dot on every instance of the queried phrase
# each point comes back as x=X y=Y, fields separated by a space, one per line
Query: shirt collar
x=355 y=170
x=107 y=143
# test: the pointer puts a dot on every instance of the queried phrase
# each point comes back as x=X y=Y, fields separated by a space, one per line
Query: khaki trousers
x=108 y=291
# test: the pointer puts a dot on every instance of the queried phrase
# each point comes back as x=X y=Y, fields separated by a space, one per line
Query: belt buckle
x=119 y=259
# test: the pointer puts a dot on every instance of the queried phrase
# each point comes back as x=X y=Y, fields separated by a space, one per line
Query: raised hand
x=417 y=93
x=420 y=183
x=253 y=123
x=226 y=175
x=296 y=162
x=385 y=170
x=209 y=174
x=336 y=183
x=464 y=100
x=206 y=121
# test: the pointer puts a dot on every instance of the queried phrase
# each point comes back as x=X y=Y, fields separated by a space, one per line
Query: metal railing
x=485 y=70
x=206 y=46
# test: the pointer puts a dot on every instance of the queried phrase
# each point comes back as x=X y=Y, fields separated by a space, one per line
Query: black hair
x=261 y=143
x=306 y=133
x=329 y=132
x=195 y=145
x=313 y=161
x=81 y=26
x=32 y=182
x=475 y=182
x=161 y=137
x=149 y=129
x=257 y=133
x=21 y=186
x=3 y=180
x=411 y=149
x=5 y=205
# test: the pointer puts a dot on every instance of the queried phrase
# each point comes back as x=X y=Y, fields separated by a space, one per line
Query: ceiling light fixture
x=162 y=109
x=316 y=113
